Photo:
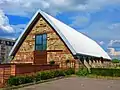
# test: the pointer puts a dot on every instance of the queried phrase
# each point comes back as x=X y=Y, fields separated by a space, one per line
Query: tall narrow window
x=41 y=42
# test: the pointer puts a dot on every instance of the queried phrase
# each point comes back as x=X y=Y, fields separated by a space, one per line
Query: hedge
x=82 y=72
x=17 y=80
x=99 y=72
x=106 y=72
x=43 y=75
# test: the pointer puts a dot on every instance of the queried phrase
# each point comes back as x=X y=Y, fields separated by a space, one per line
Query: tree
x=116 y=61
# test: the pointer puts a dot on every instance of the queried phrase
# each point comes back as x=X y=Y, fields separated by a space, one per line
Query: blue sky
x=97 y=19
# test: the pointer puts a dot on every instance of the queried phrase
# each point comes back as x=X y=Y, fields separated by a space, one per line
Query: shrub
x=13 y=81
x=106 y=72
x=82 y=72
x=28 y=79
x=17 y=80
x=69 y=71
x=52 y=62
x=37 y=77
x=59 y=73
x=43 y=75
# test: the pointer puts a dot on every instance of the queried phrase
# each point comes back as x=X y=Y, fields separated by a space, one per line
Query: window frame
x=42 y=40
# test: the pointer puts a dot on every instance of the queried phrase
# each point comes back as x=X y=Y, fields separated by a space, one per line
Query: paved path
x=76 y=83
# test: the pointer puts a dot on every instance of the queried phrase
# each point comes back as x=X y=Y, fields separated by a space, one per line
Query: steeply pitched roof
x=76 y=41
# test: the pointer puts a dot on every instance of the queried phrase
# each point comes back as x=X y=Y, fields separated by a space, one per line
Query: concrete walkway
x=76 y=83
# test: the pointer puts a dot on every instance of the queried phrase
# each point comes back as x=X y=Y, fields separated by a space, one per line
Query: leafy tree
x=116 y=61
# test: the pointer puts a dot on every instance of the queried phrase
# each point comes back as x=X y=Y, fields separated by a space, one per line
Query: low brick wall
x=6 y=70
x=29 y=68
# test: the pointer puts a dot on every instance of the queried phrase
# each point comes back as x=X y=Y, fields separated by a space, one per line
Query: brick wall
x=29 y=68
x=6 y=70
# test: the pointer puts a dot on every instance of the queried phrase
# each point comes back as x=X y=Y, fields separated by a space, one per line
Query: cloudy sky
x=98 y=19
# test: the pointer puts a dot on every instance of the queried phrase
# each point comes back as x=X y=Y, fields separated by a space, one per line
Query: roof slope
x=76 y=41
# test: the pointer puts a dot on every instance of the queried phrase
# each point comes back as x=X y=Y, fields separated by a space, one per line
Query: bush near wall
x=99 y=72
x=82 y=72
x=17 y=80
x=105 y=72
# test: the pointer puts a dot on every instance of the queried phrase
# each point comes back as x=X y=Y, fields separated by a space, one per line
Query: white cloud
x=7 y=30
x=26 y=8
x=114 y=48
x=18 y=29
x=95 y=30
x=80 y=21
x=114 y=43
x=101 y=42
x=4 y=23
x=115 y=26
x=100 y=31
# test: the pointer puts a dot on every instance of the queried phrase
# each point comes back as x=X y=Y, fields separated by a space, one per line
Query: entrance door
x=40 y=57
